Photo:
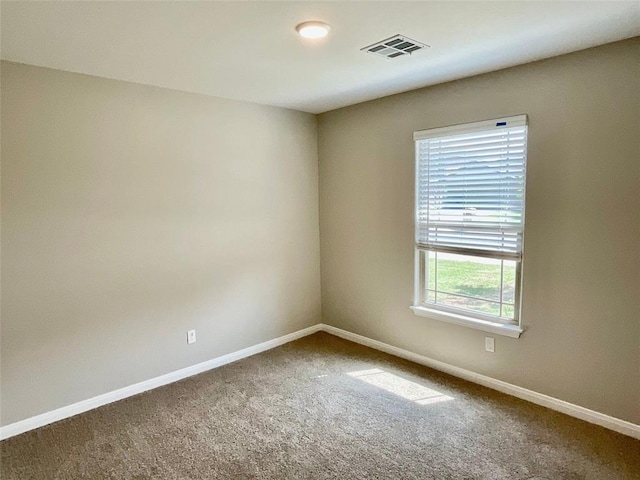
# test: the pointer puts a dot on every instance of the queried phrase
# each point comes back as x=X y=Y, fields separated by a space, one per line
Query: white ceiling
x=250 y=50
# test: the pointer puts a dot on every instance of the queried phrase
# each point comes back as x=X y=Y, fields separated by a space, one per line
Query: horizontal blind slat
x=502 y=147
x=505 y=228
x=498 y=171
x=478 y=252
x=463 y=140
x=483 y=187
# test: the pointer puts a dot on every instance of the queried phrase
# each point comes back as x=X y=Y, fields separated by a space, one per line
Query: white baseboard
x=95 y=402
x=591 y=416
x=612 y=423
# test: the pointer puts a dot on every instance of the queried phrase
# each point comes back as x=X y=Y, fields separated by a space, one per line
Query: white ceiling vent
x=394 y=47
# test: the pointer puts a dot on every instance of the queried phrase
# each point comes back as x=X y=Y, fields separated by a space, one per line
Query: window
x=469 y=214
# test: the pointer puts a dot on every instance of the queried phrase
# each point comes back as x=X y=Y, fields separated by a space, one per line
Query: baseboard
x=122 y=393
x=612 y=423
x=591 y=416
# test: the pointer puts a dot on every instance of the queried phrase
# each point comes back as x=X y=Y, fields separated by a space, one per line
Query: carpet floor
x=321 y=408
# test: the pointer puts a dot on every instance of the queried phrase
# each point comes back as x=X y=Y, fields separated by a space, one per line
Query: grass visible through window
x=480 y=284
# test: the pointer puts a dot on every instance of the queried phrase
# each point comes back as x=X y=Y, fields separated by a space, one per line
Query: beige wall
x=581 y=272
x=131 y=214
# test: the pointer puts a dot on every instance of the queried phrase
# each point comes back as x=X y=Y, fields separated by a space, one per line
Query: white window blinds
x=470 y=187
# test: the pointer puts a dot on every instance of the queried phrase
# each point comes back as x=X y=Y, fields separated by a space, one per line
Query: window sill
x=513 y=331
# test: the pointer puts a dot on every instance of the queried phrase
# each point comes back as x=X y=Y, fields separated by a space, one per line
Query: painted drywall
x=581 y=271
x=131 y=214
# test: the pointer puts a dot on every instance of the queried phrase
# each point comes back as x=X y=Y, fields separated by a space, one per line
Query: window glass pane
x=470 y=276
x=429 y=259
x=472 y=283
x=509 y=282
x=507 y=311
x=431 y=270
x=475 y=304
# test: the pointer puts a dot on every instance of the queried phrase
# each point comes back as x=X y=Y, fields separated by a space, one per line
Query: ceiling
x=250 y=50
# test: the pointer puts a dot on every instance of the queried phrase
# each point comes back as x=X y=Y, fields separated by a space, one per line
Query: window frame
x=460 y=316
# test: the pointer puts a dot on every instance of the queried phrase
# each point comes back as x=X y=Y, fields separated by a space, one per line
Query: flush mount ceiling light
x=313 y=29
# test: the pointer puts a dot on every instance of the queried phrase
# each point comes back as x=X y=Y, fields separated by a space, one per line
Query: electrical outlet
x=490 y=344
x=191 y=336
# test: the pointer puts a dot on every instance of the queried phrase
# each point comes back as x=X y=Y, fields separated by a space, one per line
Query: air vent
x=394 y=47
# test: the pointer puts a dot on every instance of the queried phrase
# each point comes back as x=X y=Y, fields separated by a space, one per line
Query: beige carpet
x=321 y=408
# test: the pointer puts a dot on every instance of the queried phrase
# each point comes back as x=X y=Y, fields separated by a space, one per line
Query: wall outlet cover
x=490 y=344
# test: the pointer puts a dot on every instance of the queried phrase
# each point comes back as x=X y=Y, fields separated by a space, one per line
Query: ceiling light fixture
x=313 y=29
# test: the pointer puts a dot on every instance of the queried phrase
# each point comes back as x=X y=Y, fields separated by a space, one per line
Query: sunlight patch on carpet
x=400 y=386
